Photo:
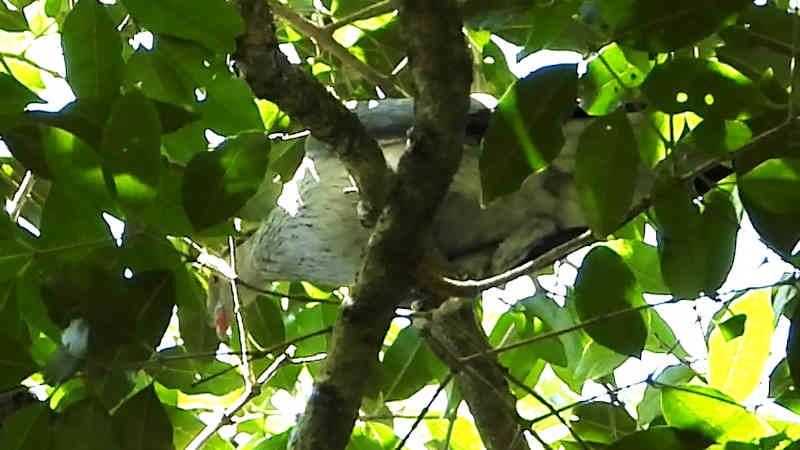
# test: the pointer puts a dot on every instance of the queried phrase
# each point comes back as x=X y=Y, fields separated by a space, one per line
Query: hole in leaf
x=709 y=99
x=682 y=97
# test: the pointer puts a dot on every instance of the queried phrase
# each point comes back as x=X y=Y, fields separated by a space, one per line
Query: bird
x=321 y=239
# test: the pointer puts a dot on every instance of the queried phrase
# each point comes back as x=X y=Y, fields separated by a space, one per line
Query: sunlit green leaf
x=609 y=75
x=735 y=364
x=709 y=412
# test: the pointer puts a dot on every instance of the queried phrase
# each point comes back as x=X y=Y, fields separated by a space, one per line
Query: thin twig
x=373 y=10
x=425 y=410
x=549 y=407
x=325 y=40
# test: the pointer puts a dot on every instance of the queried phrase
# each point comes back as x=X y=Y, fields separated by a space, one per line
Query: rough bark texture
x=272 y=77
x=454 y=333
x=436 y=48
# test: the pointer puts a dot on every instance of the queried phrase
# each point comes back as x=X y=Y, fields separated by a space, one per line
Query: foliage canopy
x=82 y=311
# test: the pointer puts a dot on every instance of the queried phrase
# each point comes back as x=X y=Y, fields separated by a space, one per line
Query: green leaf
x=735 y=364
x=793 y=348
x=158 y=77
x=15 y=96
x=213 y=23
x=515 y=326
x=264 y=322
x=606 y=167
x=609 y=76
x=86 y=229
x=733 y=327
x=218 y=183
x=696 y=249
x=13 y=21
x=650 y=407
x=92 y=50
x=643 y=261
x=663 y=25
x=719 y=137
x=708 y=88
x=662 y=438
x=605 y=285
x=408 y=365
x=709 y=412
x=586 y=358
x=131 y=149
x=141 y=423
x=15 y=365
x=229 y=107
x=661 y=338
x=524 y=133
x=602 y=422
x=27 y=429
x=85 y=423
x=774 y=185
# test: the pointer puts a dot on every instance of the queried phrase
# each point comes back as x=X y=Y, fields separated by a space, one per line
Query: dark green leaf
x=229 y=107
x=719 y=137
x=27 y=429
x=696 y=249
x=218 y=183
x=86 y=229
x=15 y=95
x=643 y=261
x=602 y=422
x=662 y=438
x=774 y=185
x=606 y=285
x=264 y=322
x=213 y=23
x=793 y=348
x=408 y=365
x=524 y=134
x=177 y=370
x=92 y=50
x=142 y=424
x=733 y=327
x=708 y=88
x=13 y=21
x=15 y=365
x=158 y=77
x=84 y=426
x=131 y=149
x=665 y=25
x=606 y=165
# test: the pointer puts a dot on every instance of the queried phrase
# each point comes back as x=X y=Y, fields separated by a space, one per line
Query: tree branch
x=376 y=9
x=441 y=68
x=324 y=38
x=271 y=76
x=453 y=333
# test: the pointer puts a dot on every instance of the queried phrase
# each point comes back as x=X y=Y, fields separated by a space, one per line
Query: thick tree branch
x=441 y=68
x=271 y=76
x=453 y=334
